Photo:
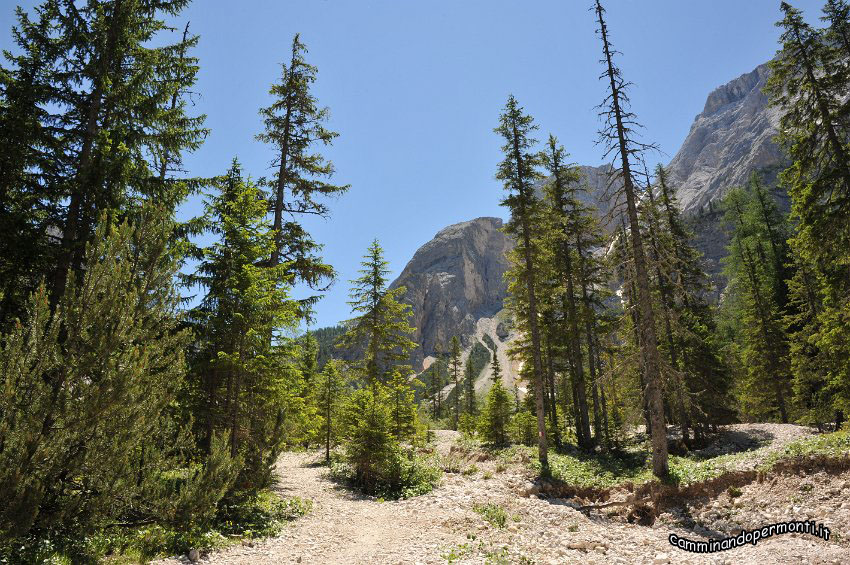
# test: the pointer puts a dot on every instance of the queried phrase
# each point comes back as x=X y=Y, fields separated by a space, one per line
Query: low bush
x=403 y=475
x=492 y=513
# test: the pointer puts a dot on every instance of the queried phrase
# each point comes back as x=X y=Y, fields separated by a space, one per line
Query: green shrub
x=496 y=417
x=493 y=513
x=404 y=475
x=523 y=428
x=467 y=425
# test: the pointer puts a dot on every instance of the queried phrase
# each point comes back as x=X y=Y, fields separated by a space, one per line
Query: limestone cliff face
x=732 y=137
x=454 y=280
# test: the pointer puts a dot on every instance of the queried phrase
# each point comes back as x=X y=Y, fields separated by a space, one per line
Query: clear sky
x=415 y=89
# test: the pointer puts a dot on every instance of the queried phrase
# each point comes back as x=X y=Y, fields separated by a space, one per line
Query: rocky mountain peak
x=454 y=280
x=732 y=137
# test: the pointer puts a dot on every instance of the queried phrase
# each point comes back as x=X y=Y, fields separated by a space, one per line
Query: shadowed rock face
x=732 y=137
x=453 y=280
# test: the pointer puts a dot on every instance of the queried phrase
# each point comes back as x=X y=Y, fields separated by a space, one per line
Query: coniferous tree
x=808 y=83
x=369 y=437
x=243 y=382
x=469 y=388
x=518 y=171
x=93 y=104
x=381 y=414
x=618 y=136
x=700 y=375
x=330 y=393
x=755 y=301
x=294 y=125
x=100 y=377
x=381 y=329
x=496 y=369
x=560 y=206
x=454 y=363
x=402 y=405
x=438 y=381
x=496 y=414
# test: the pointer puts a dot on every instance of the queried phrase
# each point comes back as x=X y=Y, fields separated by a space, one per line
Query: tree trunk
x=525 y=227
x=71 y=256
x=550 y=375
x=649 y=341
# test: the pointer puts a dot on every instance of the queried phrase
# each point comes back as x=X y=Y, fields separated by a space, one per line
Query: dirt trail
x=442 y=526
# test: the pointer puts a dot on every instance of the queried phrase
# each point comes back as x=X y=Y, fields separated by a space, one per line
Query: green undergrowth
x=406 y=475
x=836 y=444
x=262 y=515
x=605 y=470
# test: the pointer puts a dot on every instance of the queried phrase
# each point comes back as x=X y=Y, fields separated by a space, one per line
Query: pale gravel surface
x=347 y=529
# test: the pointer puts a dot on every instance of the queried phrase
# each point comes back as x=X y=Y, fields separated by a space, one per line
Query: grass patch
x=598 y=470
x=492 y=513
x=835 y=444
x=451 y=464
x=633 y=465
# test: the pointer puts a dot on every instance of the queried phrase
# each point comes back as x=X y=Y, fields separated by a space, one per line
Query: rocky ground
x=443 y=526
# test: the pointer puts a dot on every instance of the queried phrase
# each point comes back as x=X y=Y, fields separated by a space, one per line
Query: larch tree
x=755 y=303
x=518 y=171
x=618 y=137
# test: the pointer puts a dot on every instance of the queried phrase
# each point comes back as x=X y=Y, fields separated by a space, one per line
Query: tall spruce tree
x=294 y=126
x=700 y=377
x=560 y=205
x=808 y=83
x=618 y=136
x=518 y=171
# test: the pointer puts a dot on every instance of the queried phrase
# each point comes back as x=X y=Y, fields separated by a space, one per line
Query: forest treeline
x=615 y=320
x=150 y=382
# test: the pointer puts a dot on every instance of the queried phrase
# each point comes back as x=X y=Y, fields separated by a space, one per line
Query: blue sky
x=415 y=89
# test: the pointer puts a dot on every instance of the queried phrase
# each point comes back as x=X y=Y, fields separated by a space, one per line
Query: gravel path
x=442 y=527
